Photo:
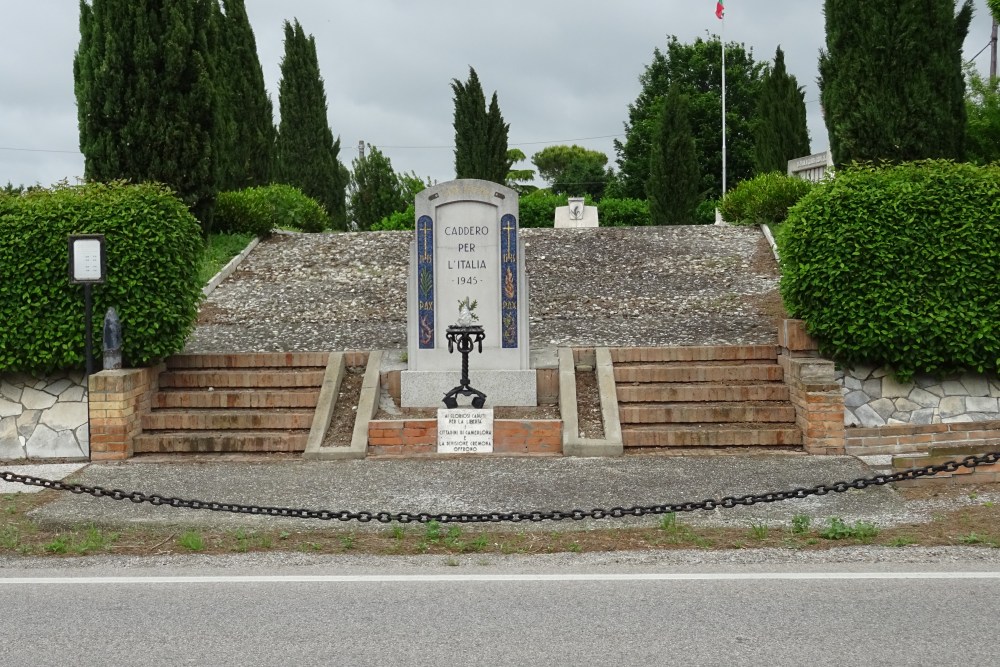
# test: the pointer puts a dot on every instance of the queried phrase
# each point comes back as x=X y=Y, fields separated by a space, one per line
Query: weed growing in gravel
x=59 y=545
x=800 y=524
x=902 y=541
x=862 y=531
x=758 y=530
x=347 y=542
x=192 y=541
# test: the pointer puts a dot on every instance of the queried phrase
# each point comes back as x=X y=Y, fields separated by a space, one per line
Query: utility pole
x=361 y=149
x=993 y=51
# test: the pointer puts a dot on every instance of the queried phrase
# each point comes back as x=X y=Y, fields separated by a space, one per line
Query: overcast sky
x=565 y=71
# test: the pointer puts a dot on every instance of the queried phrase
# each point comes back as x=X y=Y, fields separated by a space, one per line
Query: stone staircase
x=233 y=403
x=711 y=396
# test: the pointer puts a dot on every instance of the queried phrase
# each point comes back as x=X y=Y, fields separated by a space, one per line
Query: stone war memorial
x=467 y=267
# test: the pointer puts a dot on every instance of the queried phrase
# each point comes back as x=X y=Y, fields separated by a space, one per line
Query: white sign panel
x=87 y=260
x=465 y=431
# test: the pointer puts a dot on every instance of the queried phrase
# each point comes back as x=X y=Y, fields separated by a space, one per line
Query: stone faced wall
x=43 y=417
x=873 y=397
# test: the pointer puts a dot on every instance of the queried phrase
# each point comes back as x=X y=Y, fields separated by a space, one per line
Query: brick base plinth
x=936 y=455
x=118 y=399
x=418 y=437
x=921 y=439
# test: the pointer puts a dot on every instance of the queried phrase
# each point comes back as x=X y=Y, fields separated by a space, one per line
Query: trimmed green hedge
x=262 y=209
x=153 y=245
x=899 y=266
x=538 y=209
x=763 y=199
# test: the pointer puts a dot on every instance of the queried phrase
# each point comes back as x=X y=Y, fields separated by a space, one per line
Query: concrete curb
x=770 y=240
x=367 y=407
x=335 y=369
x=573 y=444
x=228 y=269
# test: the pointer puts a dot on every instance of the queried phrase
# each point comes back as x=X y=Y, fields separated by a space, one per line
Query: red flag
x=720 y=9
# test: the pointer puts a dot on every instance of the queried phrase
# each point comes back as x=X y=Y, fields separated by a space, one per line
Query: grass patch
x=975 y=525
x=219 y=249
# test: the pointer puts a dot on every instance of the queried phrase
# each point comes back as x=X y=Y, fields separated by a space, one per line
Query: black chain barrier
x=497 y=517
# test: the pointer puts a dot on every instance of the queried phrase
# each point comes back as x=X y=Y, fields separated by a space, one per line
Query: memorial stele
x=467 y=249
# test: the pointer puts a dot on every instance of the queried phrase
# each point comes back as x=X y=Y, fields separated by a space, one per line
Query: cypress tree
x=248 y=153
x=375 y=189
x=146 y=99
x=480 y=133
x=891 y=79
x=781 y=132
x=674 y=185
x=306 y=154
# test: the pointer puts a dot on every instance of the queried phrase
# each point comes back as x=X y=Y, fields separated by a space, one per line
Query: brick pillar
x=118 y=399
x=815 y=392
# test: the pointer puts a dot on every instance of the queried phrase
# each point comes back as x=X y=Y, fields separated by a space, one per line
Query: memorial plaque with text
x=465 y=431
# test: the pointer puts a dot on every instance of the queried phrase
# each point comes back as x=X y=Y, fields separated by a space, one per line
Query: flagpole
x=723 y=105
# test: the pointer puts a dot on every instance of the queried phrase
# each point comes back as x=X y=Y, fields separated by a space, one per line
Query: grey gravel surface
x=697 y=285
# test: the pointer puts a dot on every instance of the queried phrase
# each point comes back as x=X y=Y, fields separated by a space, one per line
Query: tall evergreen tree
x=698 y=68
x=375 y=191
x=674 y=185
x=891 y=79
x=781 y=132
x=248 y=114
x=146 y=99
x=306 y=154
x=480 y=133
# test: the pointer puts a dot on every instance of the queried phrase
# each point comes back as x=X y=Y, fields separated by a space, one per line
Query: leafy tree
x=480 y=133
x=994 y=6
x=697 y=68
x=248 y=116
x=519 y=179
x=573 y=170
x=673 y=187
x=982 y=104
x=306 y=153
x=147 y=102
x=410 y=184
x=781 y=130
x=891 y=80
x=375 y=191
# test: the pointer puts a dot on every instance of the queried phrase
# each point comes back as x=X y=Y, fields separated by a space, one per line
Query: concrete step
x=687 y=373
x=236 y=398
x=220 y=441
x=264 y=378
x=694 y=353
x=667 y=392
x=219 y=420
x=694 y=413
x=256 y=360
x=712 y=435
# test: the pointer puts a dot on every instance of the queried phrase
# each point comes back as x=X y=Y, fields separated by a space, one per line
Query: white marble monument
x=576 y=214
x=467 y=263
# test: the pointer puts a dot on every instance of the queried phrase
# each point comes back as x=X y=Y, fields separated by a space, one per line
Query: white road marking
x=498 y=578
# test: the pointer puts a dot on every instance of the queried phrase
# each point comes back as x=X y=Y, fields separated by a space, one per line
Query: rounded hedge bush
x=763 y=199
x=899 y=266
x=153 y=245
x=262 y=209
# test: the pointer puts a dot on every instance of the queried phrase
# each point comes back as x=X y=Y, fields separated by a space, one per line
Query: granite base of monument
x=510 y=388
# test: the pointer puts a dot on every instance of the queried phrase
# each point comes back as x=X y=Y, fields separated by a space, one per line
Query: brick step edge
x=694 y=353
x=227 y=420
x=698 y=373
x=716 y=435
x=248 y=360
x=243 y=379
x=230 y=441
x=675 y=392
x=245 y=398
x=632 y=413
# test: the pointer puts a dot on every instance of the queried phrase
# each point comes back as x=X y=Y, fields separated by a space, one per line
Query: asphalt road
x=861 y=614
